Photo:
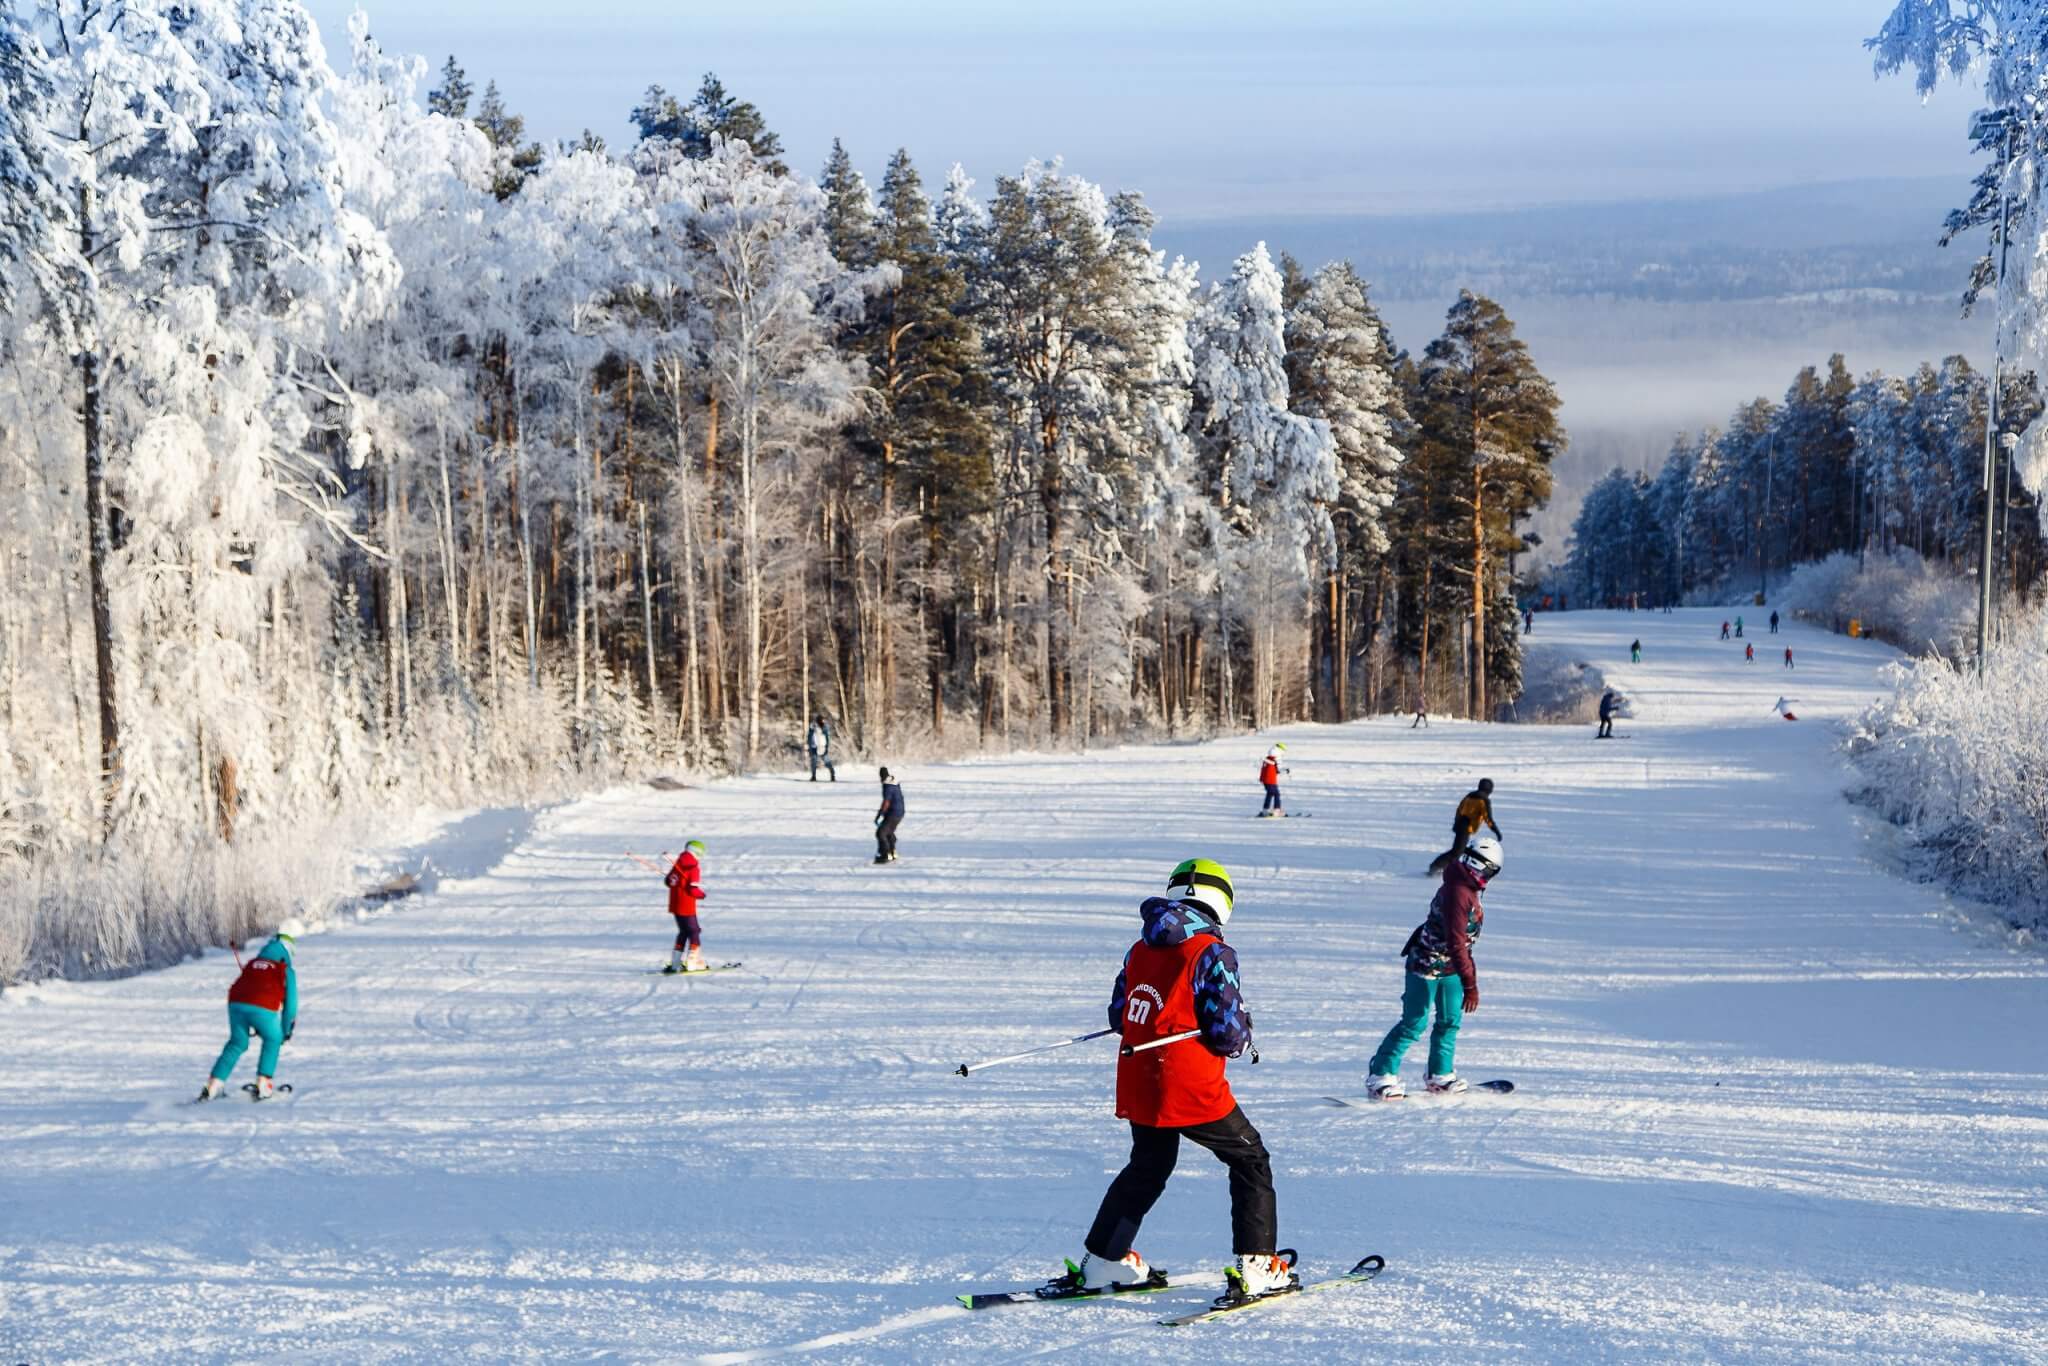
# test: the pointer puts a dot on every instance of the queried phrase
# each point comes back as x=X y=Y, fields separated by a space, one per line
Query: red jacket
x=684 y=890
x=1182 y=1083
x=261 y=984
x=1269 y=772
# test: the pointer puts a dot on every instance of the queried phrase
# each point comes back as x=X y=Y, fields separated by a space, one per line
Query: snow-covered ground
x=1775 y=1102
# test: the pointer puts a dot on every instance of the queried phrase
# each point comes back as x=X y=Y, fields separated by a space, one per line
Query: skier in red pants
x=685 y=890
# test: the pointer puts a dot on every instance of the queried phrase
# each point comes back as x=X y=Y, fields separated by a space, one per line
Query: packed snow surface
x=1775 y=1102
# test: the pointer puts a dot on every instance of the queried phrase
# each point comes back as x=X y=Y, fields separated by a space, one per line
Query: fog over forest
x=1657 y=316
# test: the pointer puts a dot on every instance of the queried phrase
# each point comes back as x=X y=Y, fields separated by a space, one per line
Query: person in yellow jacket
x=1474 y=809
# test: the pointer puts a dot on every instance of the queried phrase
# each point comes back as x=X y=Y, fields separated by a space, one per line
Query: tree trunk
x=99 y=549
x=1478 y=599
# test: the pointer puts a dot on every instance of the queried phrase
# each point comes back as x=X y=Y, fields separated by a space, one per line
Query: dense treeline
x=360 y=448
x=1876 y=464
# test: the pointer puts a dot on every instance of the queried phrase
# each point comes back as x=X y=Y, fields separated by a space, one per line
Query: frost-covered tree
x=2006 y=41
x=1273 y=474
x=693 y=130
x=771 y=290
x=513 y=158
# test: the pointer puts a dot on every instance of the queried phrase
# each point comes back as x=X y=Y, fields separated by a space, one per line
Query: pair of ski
x=254 y=1092
x=1500 y=1087
x=1069 y=1287
x=693 y=972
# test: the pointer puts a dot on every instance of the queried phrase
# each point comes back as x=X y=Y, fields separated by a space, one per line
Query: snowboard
x=1499 y=1086
x=700 y=972
x=1366 y=1269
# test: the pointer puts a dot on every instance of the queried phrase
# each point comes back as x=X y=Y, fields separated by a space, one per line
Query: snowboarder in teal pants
x=264 y=1001
x=1441 y=975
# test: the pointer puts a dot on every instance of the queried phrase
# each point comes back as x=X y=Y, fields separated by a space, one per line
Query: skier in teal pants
x=1441 y=975
x=264 y=1001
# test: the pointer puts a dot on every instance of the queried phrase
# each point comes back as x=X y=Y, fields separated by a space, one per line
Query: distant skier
x=1784 y=708
x=685 y=883
x=1474 y=809
x=1181 y=976
x=1608 y=702
x=1749 y=654
x=1441 y=976
x=819 y=741
x=264 y=1002
x=1421 y=712
x=1774 y=622
x=1269 y=778
x=887 y=817
x=1724 y=630
x=1738 y=628
x=1635 y=652
x=1788 y=658
x=1528 y=621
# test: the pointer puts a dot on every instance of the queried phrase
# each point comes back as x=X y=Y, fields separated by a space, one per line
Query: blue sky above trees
x=1301 y=108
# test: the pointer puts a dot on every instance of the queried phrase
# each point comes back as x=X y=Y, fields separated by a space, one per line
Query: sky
x=1218 y=109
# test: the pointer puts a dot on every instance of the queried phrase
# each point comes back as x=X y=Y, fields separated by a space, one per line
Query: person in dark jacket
x=1607 y=704
x=1474 y=808
x=263 y=1003
x=1441 y=976
x=1774 y=623
x=1180 y=978
x=887 y=817
x=818 y=740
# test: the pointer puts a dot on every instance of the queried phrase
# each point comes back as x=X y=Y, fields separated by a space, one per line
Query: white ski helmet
x=1482 y=856
x=291 y=929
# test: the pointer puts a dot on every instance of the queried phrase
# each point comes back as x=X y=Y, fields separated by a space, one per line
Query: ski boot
x=1449 y=1084
x=1384 y=1086
x=264 y=1089
x=1100 y=1273
x=675 y=963
x=212 y=1088
x=695 y=962
x=1258 y=1274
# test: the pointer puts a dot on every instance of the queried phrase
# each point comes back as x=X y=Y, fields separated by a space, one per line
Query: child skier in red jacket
x=1179 y=979
x=685 y=890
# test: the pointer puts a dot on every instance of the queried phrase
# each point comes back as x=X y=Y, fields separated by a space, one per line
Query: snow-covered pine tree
x=1336 y=371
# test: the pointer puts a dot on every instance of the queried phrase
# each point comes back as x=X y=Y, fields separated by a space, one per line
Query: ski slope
x=1776 y=1102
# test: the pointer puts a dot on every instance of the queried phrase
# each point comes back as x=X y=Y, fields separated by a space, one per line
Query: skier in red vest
x=1180 y=976
x=685 y=890
x=1269 y=777
x=263 y=1002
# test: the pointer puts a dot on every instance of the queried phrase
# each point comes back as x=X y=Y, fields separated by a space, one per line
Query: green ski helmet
x=694 y=847
x=1205 y=882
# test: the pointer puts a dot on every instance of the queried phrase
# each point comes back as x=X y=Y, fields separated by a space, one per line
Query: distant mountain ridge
x=1866 y=235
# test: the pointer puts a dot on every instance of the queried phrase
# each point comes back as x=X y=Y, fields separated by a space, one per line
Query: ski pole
x=1131 y=1048
x=650 y=867
x=965 y=1068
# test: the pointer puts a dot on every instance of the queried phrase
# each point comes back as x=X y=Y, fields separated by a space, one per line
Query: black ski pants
x=1606 y=731
x=885 y=836
x=1254 y=1221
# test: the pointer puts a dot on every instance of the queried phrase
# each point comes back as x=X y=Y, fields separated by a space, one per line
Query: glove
x=288 y=1030
x=1471 y=999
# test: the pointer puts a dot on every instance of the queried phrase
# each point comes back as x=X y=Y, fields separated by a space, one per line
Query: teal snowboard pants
x=1447 y=996
x=244 y=1020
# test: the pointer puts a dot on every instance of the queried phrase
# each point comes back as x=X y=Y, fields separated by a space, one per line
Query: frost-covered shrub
x=1962 y=763
x=1901 y=598
x=84 y=916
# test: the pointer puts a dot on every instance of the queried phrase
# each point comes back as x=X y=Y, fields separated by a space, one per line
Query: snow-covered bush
x=1961 y=761
x=1901 y=598
x=139 y=906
